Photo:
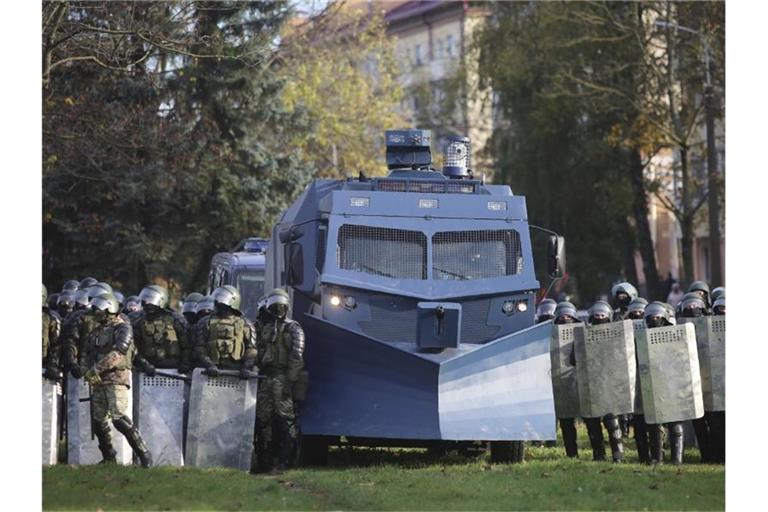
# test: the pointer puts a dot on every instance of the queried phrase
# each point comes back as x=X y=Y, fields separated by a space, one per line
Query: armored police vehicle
x=242 y=268
x=417 y=295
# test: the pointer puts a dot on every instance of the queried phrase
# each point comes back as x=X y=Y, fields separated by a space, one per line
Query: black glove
x=245 y=373
x=184 y=368
x=77 y=371
x=148 y=369
x=212 y=371
x=51 y=373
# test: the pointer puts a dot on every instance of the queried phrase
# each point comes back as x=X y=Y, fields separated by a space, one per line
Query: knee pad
x=123 y=424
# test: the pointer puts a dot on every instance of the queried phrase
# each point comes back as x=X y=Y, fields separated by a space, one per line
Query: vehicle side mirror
x=290 y=234
x=556 y=256
x=294 y=263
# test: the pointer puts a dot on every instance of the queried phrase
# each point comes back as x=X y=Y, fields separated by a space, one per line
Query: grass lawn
x=399 y=479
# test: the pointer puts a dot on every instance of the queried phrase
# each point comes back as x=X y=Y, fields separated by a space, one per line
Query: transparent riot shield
x=669 y=374
x=159 y=415
x=710 y=343
x=82 y=445
x=51 y=392
x=222 y=419
x=605 y=368
x=564 y=385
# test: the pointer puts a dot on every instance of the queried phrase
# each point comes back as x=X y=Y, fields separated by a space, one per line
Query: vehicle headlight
x=335 y=301
x=508 y=307
x=350 y=302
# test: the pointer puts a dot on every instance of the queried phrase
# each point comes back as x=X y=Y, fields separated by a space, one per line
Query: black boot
x=595 y=432
x=641 y=438
x=717 y=435
x=568 y=428
x=126 y=427
x=285 y=449
x=656 y=442
x=701 y=428
x=676 y=442
x=611 y=423
x=108 y=453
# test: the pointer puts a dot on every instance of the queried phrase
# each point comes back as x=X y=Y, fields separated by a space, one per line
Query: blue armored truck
x=417 y=295
x=242 y=268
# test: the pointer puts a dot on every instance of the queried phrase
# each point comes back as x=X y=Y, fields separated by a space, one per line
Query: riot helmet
x=81 y=299
x=205 y=306
x=702 y=289
x=636 y=308
x=718 y=308
x=228 y=296
x=278 y=303
x=120 y=297
x=153 y=296
x=106 y=303
x=623 y=293
x=71 y=286
x=565 y=313
x=132 y=304
x=546 y=310
x=657 y=314
x=600 y=313
x=717 y=293
x=190 y=302
x=98 y=289
x=66 y=303
x=693 y=307
x=87 y=282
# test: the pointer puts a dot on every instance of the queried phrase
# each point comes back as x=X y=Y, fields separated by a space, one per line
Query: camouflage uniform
x=161 y=341
x=51 y=346
x=281 y=360
x=227 y=340
x=107 y=353
x=75 y=331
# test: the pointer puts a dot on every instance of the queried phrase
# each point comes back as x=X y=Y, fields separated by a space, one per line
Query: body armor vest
x=274 y=346
x=225 y=338
x=159 y=339
x=102 y=342
x=46 y=334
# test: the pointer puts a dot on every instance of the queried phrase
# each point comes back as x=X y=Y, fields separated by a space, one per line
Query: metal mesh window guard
x=463 y=255
x=387 y=252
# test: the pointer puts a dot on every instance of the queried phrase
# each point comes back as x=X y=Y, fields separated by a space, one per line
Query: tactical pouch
x=299 y=390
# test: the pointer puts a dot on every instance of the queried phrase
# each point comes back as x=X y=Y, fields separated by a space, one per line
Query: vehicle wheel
x=314 y=451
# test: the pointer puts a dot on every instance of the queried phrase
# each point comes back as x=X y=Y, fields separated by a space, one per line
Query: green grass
x=390 y=479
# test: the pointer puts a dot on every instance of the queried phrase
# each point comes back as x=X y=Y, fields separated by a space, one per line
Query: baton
x=236 y=373
x=173 y=376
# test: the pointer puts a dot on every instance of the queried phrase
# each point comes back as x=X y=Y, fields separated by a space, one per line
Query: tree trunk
x=630 y=271
x=686 y=221
x=643 y=229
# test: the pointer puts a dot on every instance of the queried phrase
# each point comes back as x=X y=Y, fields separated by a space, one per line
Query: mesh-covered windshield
x=462 y=255
x=387 y=252
x=251 y=287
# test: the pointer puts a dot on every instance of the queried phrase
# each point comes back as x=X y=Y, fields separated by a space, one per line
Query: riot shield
x=710 y=343
x=669 y=374
x=222 y=419
x=605 y=368
x=51 y=392
x=638 y=325
x=82 y=445
x=159 y=415
x=564 y=386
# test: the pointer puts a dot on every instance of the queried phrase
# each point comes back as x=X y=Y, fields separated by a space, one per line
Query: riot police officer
x=132 y=307
x=226 y=339
x=636 y=309
x=546 y=310
x=281 y=361
x=601 y=313
x=204 y=307
x=717 y=418
x=189 y=308
x=51 y=331
x=694 y=306
x=702 y=289
x=107 y=354
x=565 y=313
x=66 y=304
x=718 y=307
x=53 y=302
x=717 y=293
x=160 y=334
x=657 y=314
x=75 y=331
x=623 y=294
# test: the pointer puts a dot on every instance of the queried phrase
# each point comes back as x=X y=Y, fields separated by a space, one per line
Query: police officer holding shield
x=107 y=354
x=160 y=334
x=281 y=360
x=565 y=313
x=51 y=348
